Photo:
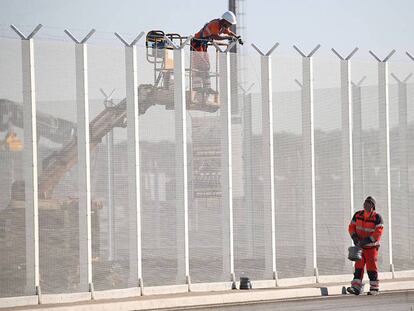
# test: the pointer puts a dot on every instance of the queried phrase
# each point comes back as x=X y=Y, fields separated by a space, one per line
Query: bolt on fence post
x=180 y=108
x=357 y=143
x=383 y=103
x=82 y=99
x=134 y=190
x=309 y=152
x=226 y=162
x=402 y=148
x=30 y=162
x=268 y=160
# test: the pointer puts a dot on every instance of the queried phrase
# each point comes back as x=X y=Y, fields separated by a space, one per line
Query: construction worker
x=366 y=229
x=217 y=29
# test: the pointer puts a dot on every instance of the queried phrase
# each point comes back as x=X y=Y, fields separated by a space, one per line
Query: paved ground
x=397 y=295
x=390 y=301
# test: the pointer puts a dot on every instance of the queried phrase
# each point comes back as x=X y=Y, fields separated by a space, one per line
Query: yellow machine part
x=14 y=143
x=169 y=59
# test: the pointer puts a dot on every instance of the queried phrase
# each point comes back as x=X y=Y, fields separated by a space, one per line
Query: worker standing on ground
x=366 y=229
x=217 y=29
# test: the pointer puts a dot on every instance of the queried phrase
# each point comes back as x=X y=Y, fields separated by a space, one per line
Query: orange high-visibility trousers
x=200 y=65
x=370 y=260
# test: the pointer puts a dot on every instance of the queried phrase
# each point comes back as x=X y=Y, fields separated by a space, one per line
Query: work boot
x=373 y=292
x=353 y=290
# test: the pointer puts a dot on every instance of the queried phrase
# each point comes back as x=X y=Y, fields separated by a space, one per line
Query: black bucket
x=354 y=253
x=245 y=283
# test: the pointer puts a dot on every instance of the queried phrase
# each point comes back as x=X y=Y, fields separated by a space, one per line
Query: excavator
x=58 y=163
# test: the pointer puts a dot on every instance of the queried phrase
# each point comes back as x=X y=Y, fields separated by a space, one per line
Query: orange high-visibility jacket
x=212 y=28
x=368 y=229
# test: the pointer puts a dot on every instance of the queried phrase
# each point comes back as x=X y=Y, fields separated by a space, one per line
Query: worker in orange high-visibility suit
x=366 y=228
x=217 y=29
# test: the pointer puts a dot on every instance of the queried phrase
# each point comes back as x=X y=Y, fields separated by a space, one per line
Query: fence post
x=247 y=168
x=309 y=153
x=384 y=129
x=134 y=190
x=268 y=160
x=409 y=210
x=82 y=99
x=357 y=142
x=30 y=163
x=111 y=177
x=347 y=142
x=226 y=162
x=181 y=155
x=403 y=194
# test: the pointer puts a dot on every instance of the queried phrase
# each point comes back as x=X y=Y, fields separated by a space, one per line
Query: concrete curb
x=211 y=299
x=18 y=301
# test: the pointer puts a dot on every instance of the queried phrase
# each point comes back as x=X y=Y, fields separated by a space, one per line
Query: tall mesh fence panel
x=252 y=216
x=293 y=238
x=401 y=143
x=333 y=212
x=207 y=220
x=58 y=170
x=410 y=149
x=109 y=167
x=162 y=208
x=12 y=212
x=372 y=150
x=158 y=161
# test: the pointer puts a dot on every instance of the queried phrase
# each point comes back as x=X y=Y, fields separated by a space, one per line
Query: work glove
x=239 y=39
x=355 y=238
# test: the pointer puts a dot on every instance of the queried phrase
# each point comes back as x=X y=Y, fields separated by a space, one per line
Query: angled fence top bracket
x=360 y=82
x=22 y=36
x=229 y=47
x=299 y=83
x=310 y=54
x=408 y=77
x=345 y=58
x=84 y=39
x=245 y=91
x=409 y=55
x=108 y=98
x=268 y=52
x=133 y=42
x=399 y=80
x=177 y=46
x=385 y=59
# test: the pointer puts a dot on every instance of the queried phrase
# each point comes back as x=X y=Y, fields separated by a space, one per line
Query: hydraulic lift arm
x=57 y=164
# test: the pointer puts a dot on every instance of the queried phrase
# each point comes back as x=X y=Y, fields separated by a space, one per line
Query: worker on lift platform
x=217 y=29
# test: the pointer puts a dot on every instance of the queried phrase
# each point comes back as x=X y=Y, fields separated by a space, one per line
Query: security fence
x=140 y=167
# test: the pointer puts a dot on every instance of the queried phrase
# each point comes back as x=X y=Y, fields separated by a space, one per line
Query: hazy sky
x=380 y=25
